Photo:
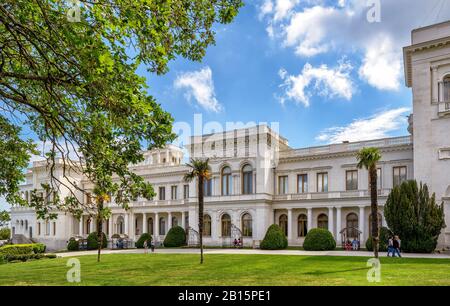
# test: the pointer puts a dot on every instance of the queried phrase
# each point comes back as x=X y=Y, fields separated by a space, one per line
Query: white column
x=80 y=229
x=290 y=225
x=126 y=225
x=169 y=222
x=361 y=224
x=310 y=220
x=183 y=220
x=331 y=220
x=144 y=223
x=110 y=222
x=156 y=225
x=132 y=226
x=338 y=224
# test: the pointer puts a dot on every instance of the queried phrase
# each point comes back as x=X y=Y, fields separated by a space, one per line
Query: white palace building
x=258 y=180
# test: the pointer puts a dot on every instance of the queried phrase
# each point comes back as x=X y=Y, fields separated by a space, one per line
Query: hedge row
x=4 y=258
x=23 y=249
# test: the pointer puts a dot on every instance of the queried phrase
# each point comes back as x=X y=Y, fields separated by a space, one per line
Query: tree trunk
x=374 y=209
x=99 y=227
x=200 y=216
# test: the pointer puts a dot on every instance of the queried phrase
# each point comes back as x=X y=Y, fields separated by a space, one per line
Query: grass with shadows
x=184 y=269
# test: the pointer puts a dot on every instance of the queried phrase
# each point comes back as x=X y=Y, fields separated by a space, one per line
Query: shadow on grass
x=334 y=272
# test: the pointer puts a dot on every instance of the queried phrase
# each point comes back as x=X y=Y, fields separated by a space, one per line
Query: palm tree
x=368 y=158
x=199 y=168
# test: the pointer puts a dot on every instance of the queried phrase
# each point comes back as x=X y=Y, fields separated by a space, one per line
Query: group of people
x=353 y=245
x=237 y=243
x=149 y=243
x=394 y=244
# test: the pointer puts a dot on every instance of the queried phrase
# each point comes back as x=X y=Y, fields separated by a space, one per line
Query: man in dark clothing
x=396 y=247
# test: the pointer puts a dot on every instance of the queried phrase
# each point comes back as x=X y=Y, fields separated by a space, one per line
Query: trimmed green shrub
x=73 y=245
x=92 y=242
x=176 y=237
x=319 y=239
x=144 y=237
x=38 y=248
x=16 y=249
x=5 y=233
x=274 y=239
x=26 y=257
x=2 y=259
x=385 y=233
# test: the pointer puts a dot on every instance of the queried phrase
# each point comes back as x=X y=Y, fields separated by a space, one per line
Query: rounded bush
x=274 y=239
x=38 y=248
x=144 y=237
x=92 y=242
x=73 y=245
x=385 y=233
x=176 y=237
x=319 y=239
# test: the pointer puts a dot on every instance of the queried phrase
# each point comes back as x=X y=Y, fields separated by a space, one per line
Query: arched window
x=207 y=225
x=444 y=95
x=162 y=226
x=283 y=222
x=302 y=228
x=226 y=181
x=150 y=225
x=322 y=221
x=247 y=179
x=174 y=221
x=380 y=223
x=352 y=226
x=88 y=226
x=226 y=225
x=247 y=225
x=21 y=223
x=120 y=227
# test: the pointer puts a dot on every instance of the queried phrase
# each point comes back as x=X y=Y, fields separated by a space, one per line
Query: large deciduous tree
x=413 y=215
x=368 y=159
x=74 y=85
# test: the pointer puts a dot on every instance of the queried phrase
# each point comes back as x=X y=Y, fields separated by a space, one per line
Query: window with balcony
x=322 y=182
x=351 y=180
x=226 y=181
x=186 y=192
x=207 y=187
x=173 y=192
x=283 y=186
x=399 y=174
x=162 y=193
x=302 y=183
x=247 y=179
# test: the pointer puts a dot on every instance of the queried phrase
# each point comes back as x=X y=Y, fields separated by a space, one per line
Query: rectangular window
x=283 y=185
x=54 y=228
x=88 y=198
x=302 y=183
x=351 y=180
x=173 y=192
x=444 y=91
x=186 y=192
x=322 y=182
x=207 y=188
x=399 y=175
x=47 y=228
x=162 y=193
x=39 y=228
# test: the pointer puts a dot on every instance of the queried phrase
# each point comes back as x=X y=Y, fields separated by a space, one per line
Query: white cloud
x=313 y=27
x=381 y=66
x=324 y=81
x=45 y=147
x=200 y=86
x=375 y=127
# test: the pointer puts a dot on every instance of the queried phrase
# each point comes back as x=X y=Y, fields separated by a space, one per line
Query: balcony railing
x=444 y=107
x=329 y=195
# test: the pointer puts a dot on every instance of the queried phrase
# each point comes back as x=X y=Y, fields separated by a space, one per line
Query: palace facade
x=258 y=179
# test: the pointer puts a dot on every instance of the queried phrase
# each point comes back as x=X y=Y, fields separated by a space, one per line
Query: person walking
x=390 y=248
x=397 y=245
x=152 y=246
x=145 y=247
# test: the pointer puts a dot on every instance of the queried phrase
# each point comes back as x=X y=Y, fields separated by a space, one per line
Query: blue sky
x=319 y=68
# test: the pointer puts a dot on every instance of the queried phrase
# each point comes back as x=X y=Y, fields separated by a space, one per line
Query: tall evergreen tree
x=413 y=215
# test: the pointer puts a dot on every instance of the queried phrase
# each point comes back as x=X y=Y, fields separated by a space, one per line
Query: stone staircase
x=20 y=239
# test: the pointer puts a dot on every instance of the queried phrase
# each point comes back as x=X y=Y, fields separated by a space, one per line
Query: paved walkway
x=253 y=251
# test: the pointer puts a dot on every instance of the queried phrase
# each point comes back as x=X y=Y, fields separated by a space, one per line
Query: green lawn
x=179 y=269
